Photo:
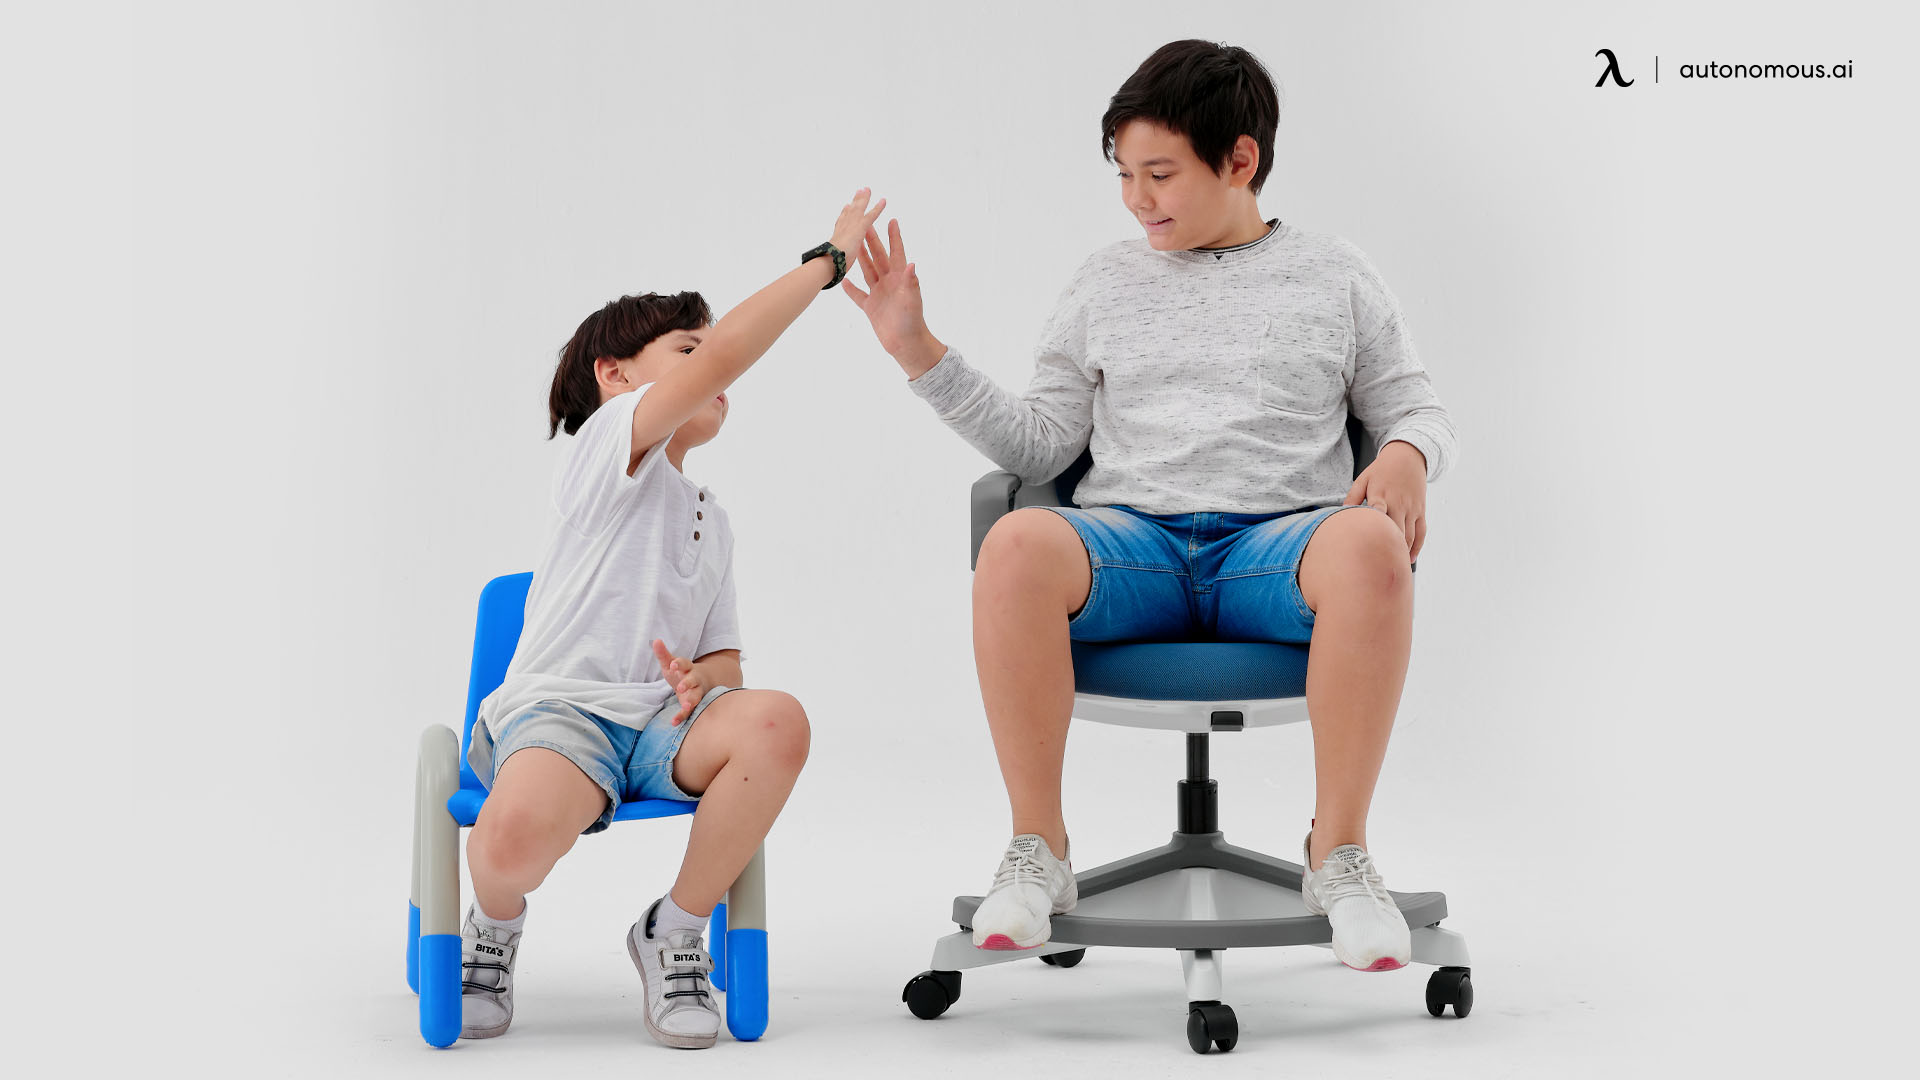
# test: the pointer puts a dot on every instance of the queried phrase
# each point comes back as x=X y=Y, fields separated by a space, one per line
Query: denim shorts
x=1174 y=577
x=628 y=764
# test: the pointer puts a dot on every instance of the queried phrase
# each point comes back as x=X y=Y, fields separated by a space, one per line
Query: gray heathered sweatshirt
x=1207 y=380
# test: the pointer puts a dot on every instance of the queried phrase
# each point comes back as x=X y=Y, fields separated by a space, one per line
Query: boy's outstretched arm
x=743 y=335
x=1033 y=435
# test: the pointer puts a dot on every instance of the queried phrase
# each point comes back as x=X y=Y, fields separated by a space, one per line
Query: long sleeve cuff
x=1429 y=447
x=947 y=384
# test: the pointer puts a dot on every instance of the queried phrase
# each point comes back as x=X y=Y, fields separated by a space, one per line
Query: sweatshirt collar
x=1236 y=253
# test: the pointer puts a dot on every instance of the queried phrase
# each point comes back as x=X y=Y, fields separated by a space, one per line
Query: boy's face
x=661 y=355
x=1177 y=198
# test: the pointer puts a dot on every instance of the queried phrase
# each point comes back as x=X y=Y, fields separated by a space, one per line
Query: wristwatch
x=839 y=262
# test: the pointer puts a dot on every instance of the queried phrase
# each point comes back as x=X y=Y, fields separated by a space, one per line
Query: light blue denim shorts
x=628 y=764
x=1173 y=577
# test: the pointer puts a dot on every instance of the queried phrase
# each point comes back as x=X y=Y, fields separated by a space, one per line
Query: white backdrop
x=290 y=284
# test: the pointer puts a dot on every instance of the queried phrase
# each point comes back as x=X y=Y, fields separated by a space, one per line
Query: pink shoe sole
x=1385 y=963
x=1003 y=943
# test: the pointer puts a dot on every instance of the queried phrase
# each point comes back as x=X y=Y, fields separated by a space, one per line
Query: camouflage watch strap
x=839 y=262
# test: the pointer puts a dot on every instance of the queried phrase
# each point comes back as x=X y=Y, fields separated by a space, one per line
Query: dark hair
x=618 y=331
x=1211 y=93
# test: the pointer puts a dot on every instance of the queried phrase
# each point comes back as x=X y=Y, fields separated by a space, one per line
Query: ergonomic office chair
x=1197 y=893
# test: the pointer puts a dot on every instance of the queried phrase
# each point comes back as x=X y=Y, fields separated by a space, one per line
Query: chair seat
x=1190 y=670
x=465 y=805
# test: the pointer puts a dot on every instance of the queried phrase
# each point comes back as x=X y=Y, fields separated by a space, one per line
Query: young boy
x=1210 y=368
x=601 y=703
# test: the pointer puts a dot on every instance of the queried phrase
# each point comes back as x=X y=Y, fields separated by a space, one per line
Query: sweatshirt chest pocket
x=1301 y=368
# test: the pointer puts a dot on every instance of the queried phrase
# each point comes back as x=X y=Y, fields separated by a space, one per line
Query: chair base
x=1199 y=892
x=1199 y=895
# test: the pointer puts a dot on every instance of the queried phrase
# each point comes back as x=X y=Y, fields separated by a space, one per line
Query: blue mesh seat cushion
x=1190 y=670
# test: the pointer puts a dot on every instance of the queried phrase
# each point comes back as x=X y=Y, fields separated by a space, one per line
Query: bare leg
x=1032 y=576
x=538 y=804
x=742 y=758
x=1356 y=577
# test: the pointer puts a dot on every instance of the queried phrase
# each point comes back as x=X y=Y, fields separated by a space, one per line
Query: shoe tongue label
x=1025 y=845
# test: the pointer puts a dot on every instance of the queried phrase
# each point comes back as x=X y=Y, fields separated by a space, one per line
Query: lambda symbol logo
x=1613 y=69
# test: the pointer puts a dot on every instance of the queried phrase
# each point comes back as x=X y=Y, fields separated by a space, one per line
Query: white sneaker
x=486 y=978
x=1030 y=887
x=1369 y=933
x=678 y=1001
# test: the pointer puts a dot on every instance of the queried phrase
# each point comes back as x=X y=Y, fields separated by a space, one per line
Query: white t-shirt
x=631 y=559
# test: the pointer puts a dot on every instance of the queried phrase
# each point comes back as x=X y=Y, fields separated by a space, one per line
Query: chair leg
x=413 y=940
x=717 y=945
x=413 y=905
x=746 y=951
x=437 y=868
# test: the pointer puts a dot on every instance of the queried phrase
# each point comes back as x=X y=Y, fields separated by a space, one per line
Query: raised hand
x=856 y=221
x=688 y=681
x=892 y=301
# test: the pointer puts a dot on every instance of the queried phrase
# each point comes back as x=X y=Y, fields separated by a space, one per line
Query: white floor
x=309 y=981
x=1117 y=1013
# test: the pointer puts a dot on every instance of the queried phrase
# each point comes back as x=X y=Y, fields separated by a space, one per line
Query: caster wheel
x=1211 y=1024
x=1450 y=986
x=1065 y=959
x=929 y=993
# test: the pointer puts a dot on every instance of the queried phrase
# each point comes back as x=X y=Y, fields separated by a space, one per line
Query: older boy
x=1210 y=369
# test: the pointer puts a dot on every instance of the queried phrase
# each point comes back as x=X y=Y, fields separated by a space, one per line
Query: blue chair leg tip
x=440 y=989
x=413 y=947
x=717 y=946
x=747 y=974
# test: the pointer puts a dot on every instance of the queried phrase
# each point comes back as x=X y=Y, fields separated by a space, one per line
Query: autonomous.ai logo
x=1613 y=69
x=1715 y=69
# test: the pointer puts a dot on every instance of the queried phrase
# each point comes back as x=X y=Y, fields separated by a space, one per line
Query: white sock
x=511 y=926
x=669 y=917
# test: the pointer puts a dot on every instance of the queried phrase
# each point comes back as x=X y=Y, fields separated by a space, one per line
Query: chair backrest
x=1357 y=437
x=496 y=632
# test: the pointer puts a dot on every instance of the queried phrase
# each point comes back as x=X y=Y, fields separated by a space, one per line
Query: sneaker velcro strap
x=684 y=958
x=489 y=951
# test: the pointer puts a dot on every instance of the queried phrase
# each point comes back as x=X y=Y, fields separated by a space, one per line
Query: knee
x=1025 y=549
x=1366 y=556
x=511 y=842
x=781 y=732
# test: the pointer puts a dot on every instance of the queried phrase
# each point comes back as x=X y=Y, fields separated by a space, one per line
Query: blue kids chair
x=1196 y=894
x=448 y=796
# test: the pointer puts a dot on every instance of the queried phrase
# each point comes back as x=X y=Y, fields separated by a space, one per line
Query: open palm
x=892 y=297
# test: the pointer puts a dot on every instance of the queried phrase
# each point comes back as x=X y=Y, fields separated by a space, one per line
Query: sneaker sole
x=485 y=1033
x=1003 y=943
x=1385 y=963
x=668 y=1038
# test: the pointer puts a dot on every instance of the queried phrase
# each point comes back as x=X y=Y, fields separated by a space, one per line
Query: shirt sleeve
x=1391 y=393
x=1034 y=435
x=592 y=485
x=722 y=629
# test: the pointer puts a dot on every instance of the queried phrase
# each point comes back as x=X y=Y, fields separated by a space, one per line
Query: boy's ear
x=1244 y=162
x=607 y=373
